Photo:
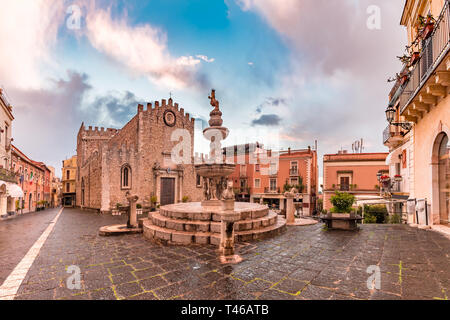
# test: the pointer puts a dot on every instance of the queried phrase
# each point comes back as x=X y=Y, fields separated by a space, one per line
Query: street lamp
x=390 y=116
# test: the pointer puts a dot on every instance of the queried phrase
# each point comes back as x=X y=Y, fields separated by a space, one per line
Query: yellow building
x=419 y=113
x=69 y=174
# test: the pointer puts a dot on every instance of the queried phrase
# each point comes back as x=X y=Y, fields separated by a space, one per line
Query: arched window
x=82 y=192
x=126 y=177
x=444 y=180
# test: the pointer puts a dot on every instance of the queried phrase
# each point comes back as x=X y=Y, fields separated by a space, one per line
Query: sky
x=286 y=72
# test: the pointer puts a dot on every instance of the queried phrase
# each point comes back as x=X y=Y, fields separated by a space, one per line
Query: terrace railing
x=434 y=49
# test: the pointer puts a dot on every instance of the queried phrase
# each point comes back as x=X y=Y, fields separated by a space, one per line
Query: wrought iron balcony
x=8 y=176
x=271 y=190
x=293 y=172
x=434 y=50
x=392 y=135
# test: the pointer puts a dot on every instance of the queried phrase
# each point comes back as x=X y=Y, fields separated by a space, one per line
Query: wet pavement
x=18 y=235
x=304 y=263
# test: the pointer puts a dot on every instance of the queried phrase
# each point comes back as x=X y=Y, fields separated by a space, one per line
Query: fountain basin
x=185 y=223
x=214 y=170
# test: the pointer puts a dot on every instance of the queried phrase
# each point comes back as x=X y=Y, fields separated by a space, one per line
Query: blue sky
x=300 y=70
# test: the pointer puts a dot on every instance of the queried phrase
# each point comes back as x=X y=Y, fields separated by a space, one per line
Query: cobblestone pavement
x=303 y=263
x=15 y=243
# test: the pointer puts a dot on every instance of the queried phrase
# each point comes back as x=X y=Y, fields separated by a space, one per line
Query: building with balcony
x=68 y=182
x=419 y=110
x=263 y=176
x=9 y=190
x=355 y=173
x=32 y=177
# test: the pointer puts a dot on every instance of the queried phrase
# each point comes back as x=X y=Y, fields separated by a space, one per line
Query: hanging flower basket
x=427 y=30
x=398 y=178
x=385 y=180
x=414 y=58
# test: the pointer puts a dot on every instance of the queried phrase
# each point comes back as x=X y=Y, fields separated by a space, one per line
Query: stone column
x=290 y=210
x=132 y=217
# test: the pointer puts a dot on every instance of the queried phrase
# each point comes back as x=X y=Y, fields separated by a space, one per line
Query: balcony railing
x=392 y=131
x=293 y=172
x=434 y=49
x=8 y=176
x=271 y=190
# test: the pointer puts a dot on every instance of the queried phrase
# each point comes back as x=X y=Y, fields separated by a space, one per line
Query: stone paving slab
x=302 y=264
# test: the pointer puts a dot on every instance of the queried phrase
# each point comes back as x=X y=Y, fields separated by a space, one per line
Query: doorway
x=167 y=191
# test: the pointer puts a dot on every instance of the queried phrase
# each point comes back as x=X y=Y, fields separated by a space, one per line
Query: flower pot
x=404 y=79
x=427 y=30
x=414 y=58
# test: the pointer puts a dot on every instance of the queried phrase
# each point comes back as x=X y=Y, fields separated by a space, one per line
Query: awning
x=14 y=191
x=394 y=154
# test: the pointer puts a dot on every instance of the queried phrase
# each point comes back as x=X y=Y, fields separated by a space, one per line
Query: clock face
x=169 y=118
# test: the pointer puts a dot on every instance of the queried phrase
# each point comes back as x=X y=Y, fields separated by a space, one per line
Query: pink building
x=355 y=173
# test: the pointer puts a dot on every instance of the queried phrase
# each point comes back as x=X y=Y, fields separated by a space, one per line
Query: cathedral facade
x=136 y=160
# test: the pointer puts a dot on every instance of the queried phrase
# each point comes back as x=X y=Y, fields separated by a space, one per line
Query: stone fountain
x=217 y=219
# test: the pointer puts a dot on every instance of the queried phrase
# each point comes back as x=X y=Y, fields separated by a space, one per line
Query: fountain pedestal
x=132 y=214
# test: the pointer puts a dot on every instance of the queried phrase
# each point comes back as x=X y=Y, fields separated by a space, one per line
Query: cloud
x=267 y=120
x=270 y=102
x=28 y=31
x=142 y=49
x=205 y=58
x=47 y=120
x=113 y=110
x=336 y=88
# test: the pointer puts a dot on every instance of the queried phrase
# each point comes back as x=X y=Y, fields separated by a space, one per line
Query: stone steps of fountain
x=211 y=226
x=197 y=214
x=152 y=231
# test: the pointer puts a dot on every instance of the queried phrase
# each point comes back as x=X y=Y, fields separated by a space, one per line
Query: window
x=257 y=183
x=345 y=183
x=444 y=180
x=273 y=170
x=257 y=167
x=126 y=177
x=294 y=181
x=68 y=187
x=273 y=184
x=294 y=167
x=68 y=175
x=199 y=181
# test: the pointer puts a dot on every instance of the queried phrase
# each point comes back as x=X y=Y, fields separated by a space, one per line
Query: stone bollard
x=290 y=210
x=228 y=219
x=132 y=215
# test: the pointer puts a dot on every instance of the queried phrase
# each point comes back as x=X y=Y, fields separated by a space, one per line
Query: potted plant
x=398 y=178
x=414 y=58
x=426 y=26
x=116 y=211
x=185 y=199
x=139 y=209
x=153 y=201
x=342 y=205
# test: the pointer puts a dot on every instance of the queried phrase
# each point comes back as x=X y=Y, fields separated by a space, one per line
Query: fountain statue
x=217 y=219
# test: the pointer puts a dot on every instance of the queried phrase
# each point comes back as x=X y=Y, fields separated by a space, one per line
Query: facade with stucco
x=421 y=155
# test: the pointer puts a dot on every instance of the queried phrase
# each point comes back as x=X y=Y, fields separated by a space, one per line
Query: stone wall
x=143 y=144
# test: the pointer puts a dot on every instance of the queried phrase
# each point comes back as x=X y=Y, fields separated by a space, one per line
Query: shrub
x=342 y=202
x=395 y=219
x=185 y=199
x=379 y=211
x=154 y=199
x=369 y=218
x=118 y=205
x=139 y=206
